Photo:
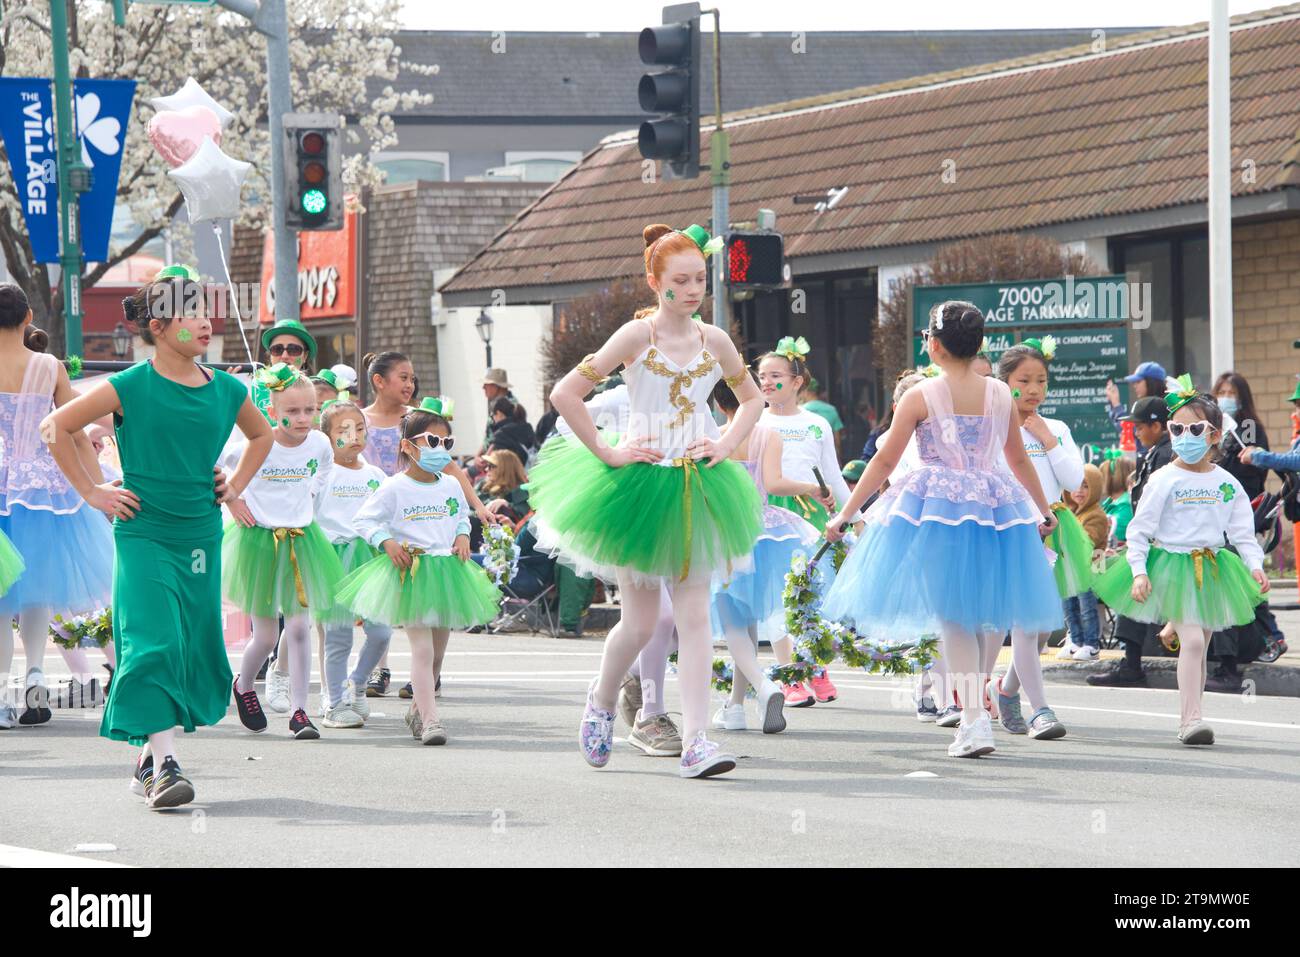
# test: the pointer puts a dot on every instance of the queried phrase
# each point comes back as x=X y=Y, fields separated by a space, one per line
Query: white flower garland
x=501 y=554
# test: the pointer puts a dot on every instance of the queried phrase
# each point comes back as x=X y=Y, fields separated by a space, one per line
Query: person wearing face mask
x=1233 y=395
x=423 y=582
x=1177 y=567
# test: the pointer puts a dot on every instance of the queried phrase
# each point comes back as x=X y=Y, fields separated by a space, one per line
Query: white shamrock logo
x=100 y=132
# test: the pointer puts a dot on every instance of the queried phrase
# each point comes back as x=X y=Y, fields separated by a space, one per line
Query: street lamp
x=121 y=340
x=484 y=326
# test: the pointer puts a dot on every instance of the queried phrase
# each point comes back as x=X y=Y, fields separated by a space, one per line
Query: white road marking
x=11 y=856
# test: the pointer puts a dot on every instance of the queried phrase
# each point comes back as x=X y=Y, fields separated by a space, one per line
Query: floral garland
x=818 y=642
x=71 y=632
x=501 y=554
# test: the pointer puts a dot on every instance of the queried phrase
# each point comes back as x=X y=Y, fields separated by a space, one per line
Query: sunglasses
x=291 y=349
x=489 y=467
x=1196 y=428
x=434 y=441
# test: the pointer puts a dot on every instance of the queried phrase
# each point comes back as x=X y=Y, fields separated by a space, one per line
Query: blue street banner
x=26 y=122
x=103 y=111
x=103 y=108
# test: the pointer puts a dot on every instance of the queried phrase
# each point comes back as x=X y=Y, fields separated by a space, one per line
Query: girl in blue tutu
x=752 y=596
x=665 y=505
x=423 y=582
x=1059 y=466
x=66 y=547
x=1178 y=569
x=955 y=547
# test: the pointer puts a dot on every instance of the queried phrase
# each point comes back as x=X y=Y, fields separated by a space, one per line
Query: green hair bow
x=1178 y=392
x=700 y=236
x=278 y=377
x=792 y=348
x=1112 y=453
x=343 y=396
x=1045 y=345
x=441 y=405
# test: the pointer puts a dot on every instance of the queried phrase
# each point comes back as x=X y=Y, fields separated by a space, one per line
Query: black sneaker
x=251 y=715
x=36 y=700
x=169 y=788
x=377 y=686
x=1119 y=678
x=407 y=691
x=142 y=779
x=300 y=727
x=109 y=684
x=1224 y=683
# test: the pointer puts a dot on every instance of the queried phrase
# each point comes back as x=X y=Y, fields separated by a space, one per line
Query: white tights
x=33 y=632
x=964 y=652
x=652 y=663
x=1193 y=646
x=690 y=603
x=1026 y=667
x=428 y=648
x=746 y=672
x=297 y=639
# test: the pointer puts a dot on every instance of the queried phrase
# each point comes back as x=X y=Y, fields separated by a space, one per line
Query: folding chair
x=534 y=612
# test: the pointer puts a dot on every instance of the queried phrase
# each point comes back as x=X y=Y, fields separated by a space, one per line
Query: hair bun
x=653 y=232
x=368 y=358
x=970 y=318
x=38 y=340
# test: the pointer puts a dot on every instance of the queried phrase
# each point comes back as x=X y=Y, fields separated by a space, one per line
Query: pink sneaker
x=798 y=696
x=822 y=688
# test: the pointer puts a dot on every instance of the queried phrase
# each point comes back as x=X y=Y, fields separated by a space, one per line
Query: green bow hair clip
x=1178 y=392
x=442 y=405
x=793 y=348
x=700 y=236
x=278 y=377
x=178 y=271
x=1045 y=345
x=930 y=371
x=1112 y=453
x=343 y=396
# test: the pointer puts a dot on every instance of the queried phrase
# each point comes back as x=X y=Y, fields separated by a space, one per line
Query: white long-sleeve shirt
x=1181 y=510
x=280 y=494
x=1061 y=469
x=341 y=497
x=428 y=514
x=807 y=440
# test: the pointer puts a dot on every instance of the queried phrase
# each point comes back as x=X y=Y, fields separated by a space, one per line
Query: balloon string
x=234 y=298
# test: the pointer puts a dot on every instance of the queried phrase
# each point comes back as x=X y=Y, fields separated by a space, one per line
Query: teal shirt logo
x=453 y=506
x=1228 y=491
x=816 y=431
x=313 y=465
x=372 y=484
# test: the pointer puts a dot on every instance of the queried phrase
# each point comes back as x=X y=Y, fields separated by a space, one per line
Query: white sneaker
x=356 y=700
x=8 y=713
x=973 y=739
x=277 y=691
x=771 y=702
x=730 y=717
x=341 y=716
x=1085 y=653
x=1067 y=650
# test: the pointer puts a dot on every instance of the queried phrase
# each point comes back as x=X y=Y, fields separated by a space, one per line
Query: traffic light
x=313 y=172
x=674 y=93
x=756 y=260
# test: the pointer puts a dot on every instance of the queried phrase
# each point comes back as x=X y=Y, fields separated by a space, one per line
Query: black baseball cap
x=1150 y=408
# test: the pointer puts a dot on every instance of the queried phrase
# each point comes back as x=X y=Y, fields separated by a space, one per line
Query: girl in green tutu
x=665 y=505
x=1178 y=569
x=172 y=418
x=1059 y=465
x=350 y=484
x=276 y=560
x=423 y=582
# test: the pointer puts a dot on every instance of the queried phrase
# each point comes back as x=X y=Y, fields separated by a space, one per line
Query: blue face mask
x=1190 y=448
x=1228 y=403
x=434 y=460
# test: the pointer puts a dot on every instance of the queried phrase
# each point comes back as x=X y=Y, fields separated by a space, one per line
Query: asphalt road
x=855 y=782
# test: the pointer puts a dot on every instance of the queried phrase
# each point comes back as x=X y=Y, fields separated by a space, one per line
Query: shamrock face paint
x=184 y=335
x=285 y=421
x=339 y=443
x=780 y=386
x=668 y=294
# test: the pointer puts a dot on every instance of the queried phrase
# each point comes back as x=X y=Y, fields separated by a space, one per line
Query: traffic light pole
x=269 y=19
x=720 y=168
x=73 y=177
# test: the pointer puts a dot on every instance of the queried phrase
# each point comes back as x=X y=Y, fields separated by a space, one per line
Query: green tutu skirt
x=441 y=591
x=267 y=577
x=11 y=563
x=809 y=509
x=654 y=522
x=1225 y=597
x=1073 y=547
x=352 y=554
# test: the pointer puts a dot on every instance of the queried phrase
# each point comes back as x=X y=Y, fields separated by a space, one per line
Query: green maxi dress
x=171 y=656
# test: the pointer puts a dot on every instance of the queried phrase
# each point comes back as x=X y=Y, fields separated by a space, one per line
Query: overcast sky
x=782 y=15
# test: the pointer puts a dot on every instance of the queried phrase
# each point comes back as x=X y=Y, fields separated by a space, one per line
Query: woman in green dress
x=172 y=418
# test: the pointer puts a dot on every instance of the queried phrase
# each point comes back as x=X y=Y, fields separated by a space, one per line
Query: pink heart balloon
x=177 y=134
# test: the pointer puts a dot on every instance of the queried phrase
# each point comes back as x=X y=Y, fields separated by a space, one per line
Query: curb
x=1268 y=679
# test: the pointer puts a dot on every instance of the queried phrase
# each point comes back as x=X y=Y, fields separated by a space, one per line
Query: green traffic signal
x=313 y=202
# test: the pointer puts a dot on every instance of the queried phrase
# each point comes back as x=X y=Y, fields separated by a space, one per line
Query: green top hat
x=290 y=327
x=1295 y=396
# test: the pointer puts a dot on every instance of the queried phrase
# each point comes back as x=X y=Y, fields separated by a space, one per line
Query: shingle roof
x=595 y=76
x=1082 y=136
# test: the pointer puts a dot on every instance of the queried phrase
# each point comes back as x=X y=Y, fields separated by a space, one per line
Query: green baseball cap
x=853 y=470
x=290 y=327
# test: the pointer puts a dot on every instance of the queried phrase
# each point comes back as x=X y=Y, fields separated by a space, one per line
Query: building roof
x=593 y=77
x=1042 y=140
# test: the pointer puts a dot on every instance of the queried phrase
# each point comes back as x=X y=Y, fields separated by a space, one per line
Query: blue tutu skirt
x=754 y=595
x=69 y=559
x=902 y=580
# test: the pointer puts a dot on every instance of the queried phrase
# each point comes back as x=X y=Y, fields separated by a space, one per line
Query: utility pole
x=1220 y=189
x=720 y=173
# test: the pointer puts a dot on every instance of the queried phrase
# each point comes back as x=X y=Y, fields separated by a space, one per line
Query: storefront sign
x=326 y=273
